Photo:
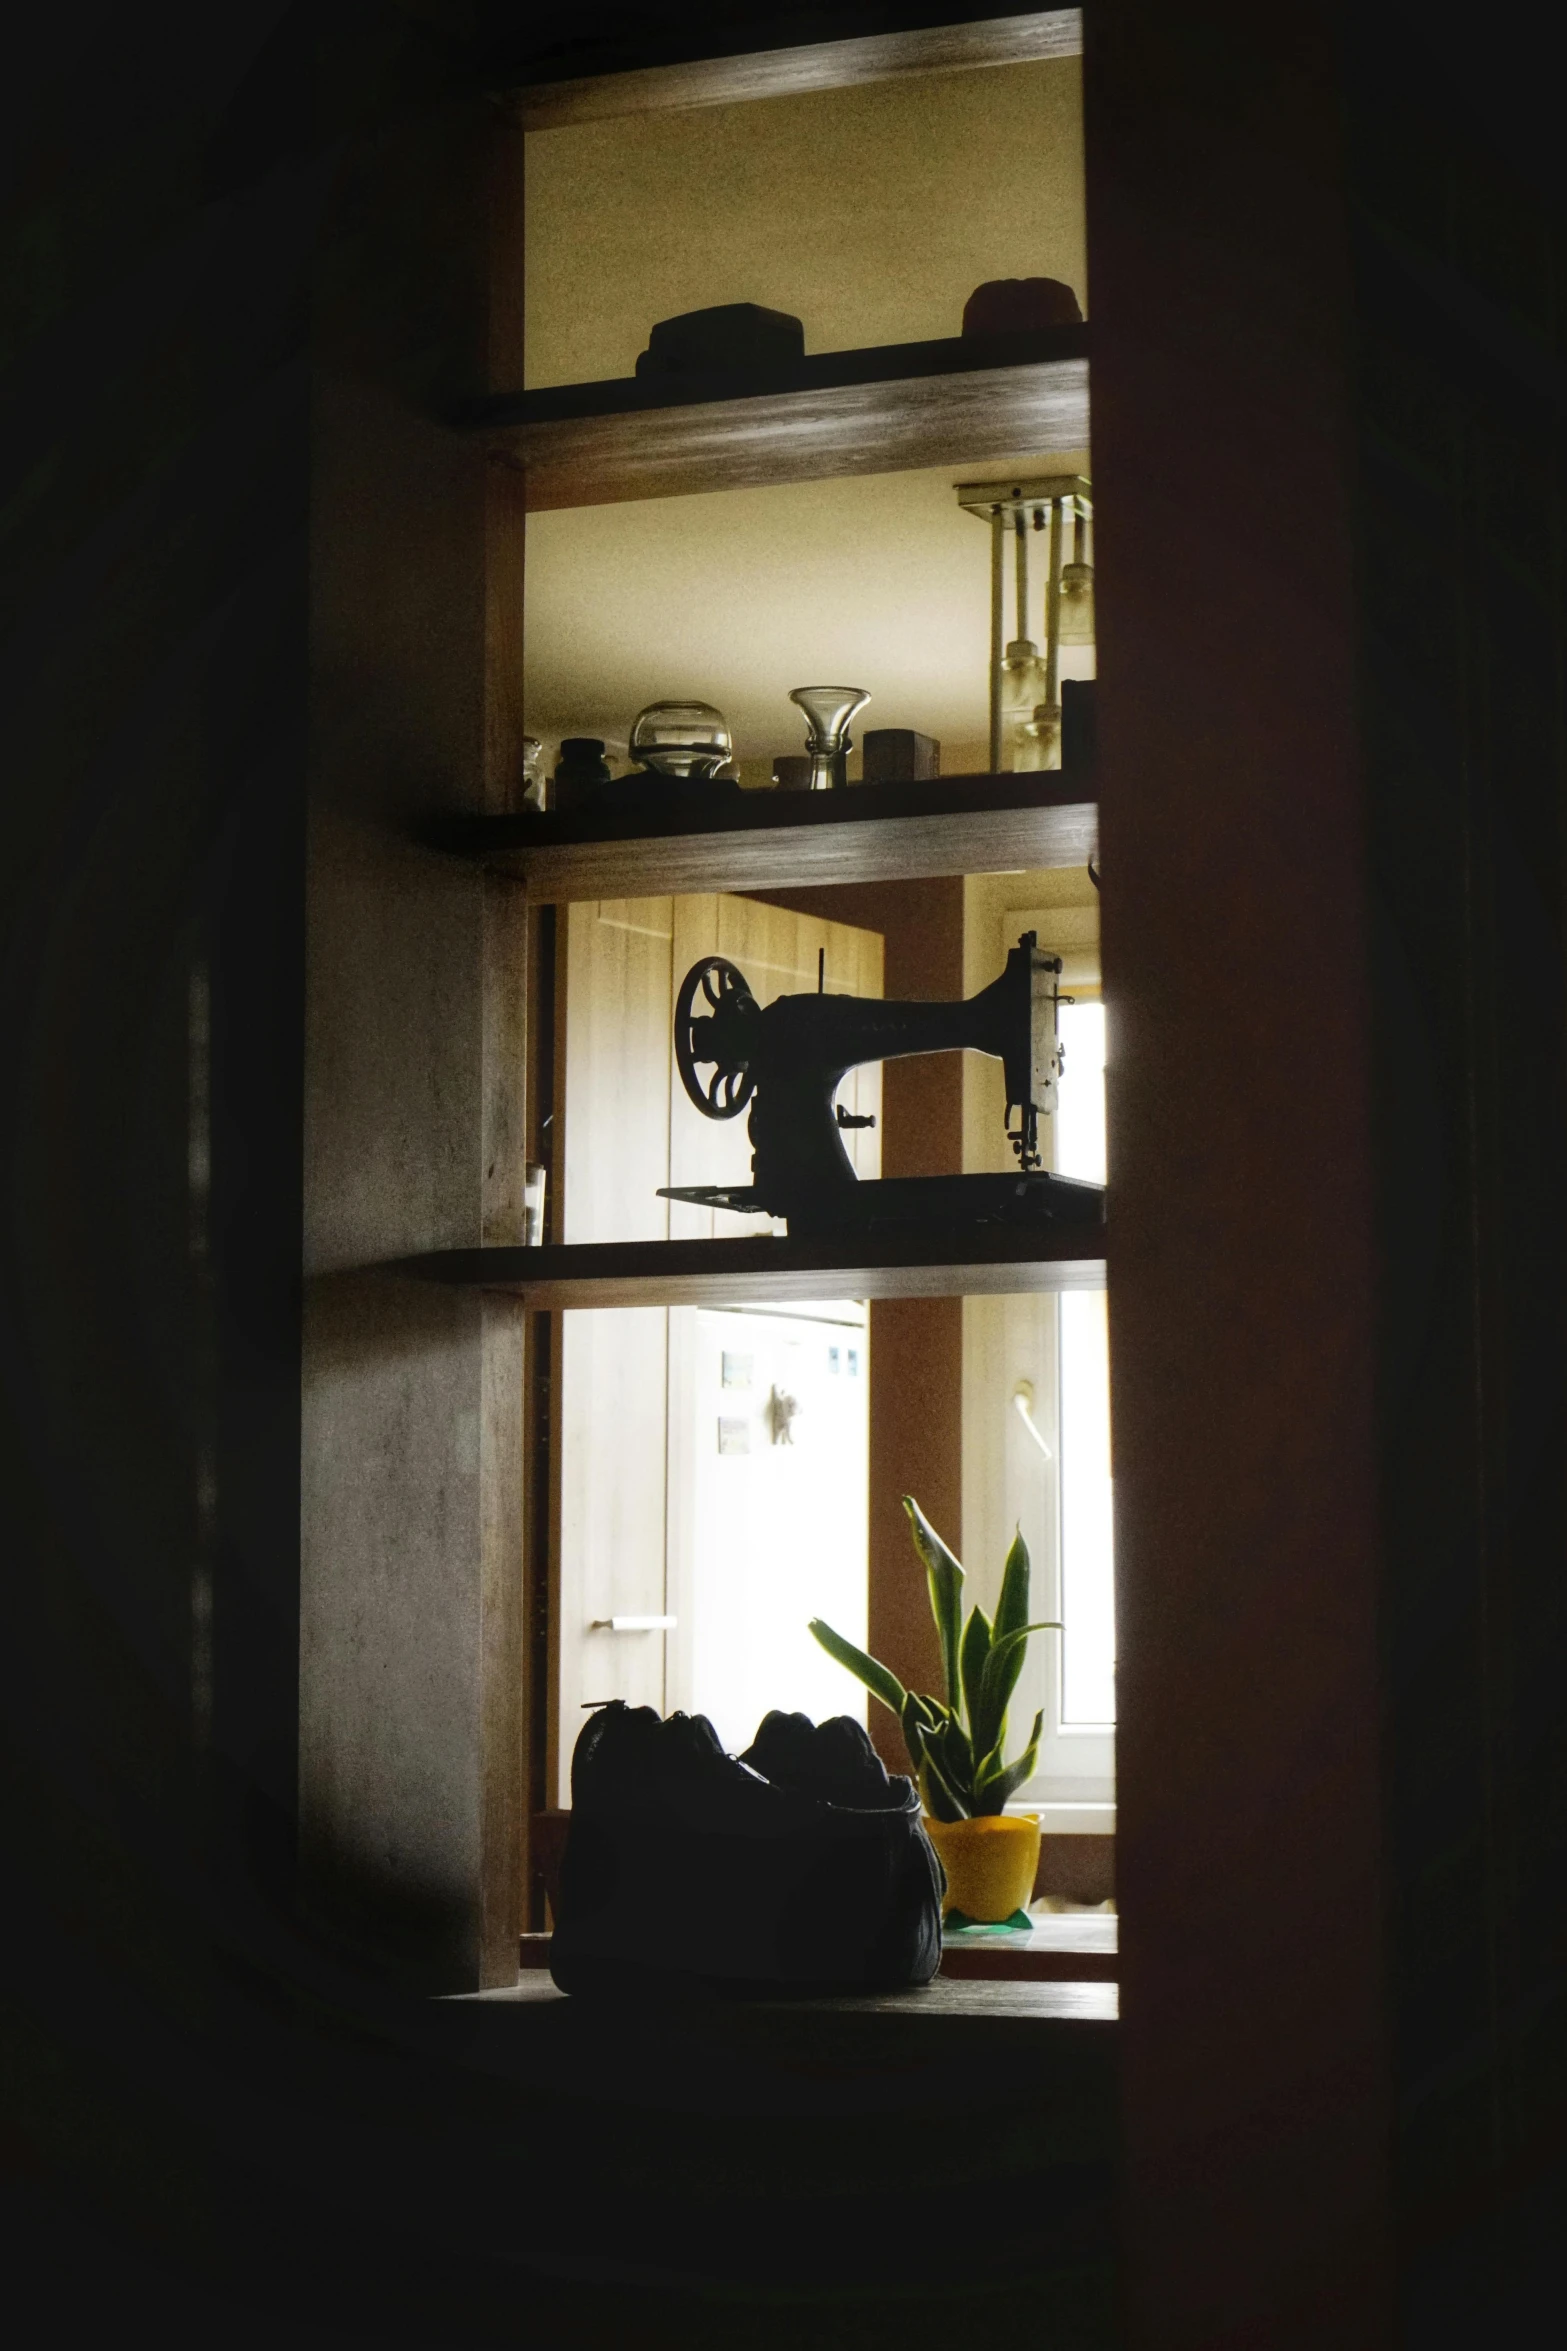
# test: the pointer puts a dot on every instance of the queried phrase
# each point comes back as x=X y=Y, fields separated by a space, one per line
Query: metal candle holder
x=828 y=710
x=1021 y=508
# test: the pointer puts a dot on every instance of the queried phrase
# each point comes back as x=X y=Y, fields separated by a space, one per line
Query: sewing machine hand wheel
x=731 y=1085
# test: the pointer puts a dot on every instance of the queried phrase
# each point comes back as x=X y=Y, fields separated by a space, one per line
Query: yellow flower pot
x=990 y=1864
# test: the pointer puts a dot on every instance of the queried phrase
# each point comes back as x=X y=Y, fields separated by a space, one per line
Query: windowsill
x=1070 y=1820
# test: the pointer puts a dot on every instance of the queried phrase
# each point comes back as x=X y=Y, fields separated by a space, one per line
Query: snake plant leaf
x=1012 y=1607
x=940 y=1800
x=993 y=1794
x=924 y=1717
x=914 y=1715
x=1002 y=1668
x=945 y=1578
x=976 y=1648
x=946 y=1755
x=954 y=1751
x=880 y=1683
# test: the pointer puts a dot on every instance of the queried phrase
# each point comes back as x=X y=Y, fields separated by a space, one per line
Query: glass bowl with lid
x=681 y=740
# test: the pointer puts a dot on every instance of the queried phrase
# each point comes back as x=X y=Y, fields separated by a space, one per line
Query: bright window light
x=1087 y=1545
x=1087 y=1542
x=1080 y=1111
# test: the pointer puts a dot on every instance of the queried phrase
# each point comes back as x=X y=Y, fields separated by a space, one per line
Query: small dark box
x=897 y=755
x=581 y=773
x=1079 y=741
x=1015 y=306
x=735 y=338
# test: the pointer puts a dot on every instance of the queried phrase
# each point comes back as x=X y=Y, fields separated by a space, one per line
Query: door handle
x=632 y=1624
x=1023 y=1405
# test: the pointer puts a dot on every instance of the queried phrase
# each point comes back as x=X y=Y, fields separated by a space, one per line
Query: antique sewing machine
x=788 y=1058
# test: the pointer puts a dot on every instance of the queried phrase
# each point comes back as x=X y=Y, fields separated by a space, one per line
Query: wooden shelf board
x=649 y=845
x=795 y=72
x=1067 y=1947
x=947 y=1998
x=763 y=1269
x=951 y=402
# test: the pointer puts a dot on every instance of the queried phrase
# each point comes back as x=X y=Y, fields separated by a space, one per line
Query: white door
x=630 y=1416
x=768 y=1490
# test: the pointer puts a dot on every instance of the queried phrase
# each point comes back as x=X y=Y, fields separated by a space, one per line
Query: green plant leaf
x=945 y=1729
x=880 y=1683
x=976 y=1648
x=939 y=1799
x=993 y=1794
x=948 y=1747
x=1002 y=1668
x=945 y=1579
x=915 y=1718
x=925 y=1715
x=1012 y=1607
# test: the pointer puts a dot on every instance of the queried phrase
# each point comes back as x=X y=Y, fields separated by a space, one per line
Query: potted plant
x=956 y=1744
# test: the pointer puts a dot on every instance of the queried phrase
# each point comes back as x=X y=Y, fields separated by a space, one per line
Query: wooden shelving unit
x=765 y=1269
x=953 y=402
x=974 y=404
x=641 y=842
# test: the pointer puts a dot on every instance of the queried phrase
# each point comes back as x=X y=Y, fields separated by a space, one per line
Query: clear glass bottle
x=1039 y=739
x=1023 y=689
x=1076 y=623
x=535 y=783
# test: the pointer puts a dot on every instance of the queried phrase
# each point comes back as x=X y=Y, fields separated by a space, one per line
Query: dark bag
x=799 y=1867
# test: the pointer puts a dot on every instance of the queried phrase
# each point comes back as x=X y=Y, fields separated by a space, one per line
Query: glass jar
x=681 y=740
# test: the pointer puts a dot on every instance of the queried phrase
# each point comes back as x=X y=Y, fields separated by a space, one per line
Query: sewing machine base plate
x=898 y=1203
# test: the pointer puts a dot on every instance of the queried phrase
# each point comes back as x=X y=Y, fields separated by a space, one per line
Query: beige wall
x=739 y=595
x=870 y=213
